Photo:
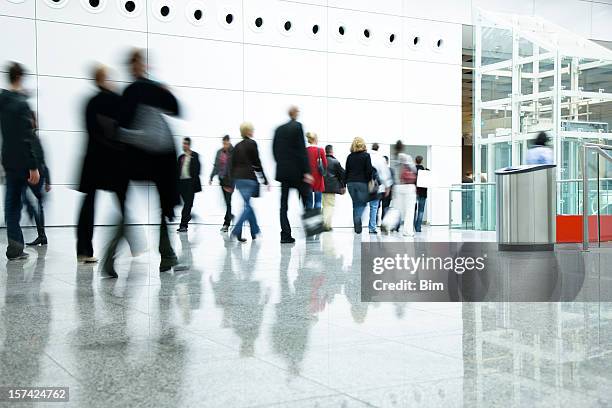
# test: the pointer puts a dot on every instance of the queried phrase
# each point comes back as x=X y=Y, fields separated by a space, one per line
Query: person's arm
x=215 y=170
x=256 y=162
x=368 y=167
x=324 y=156
x=301 y=150
x=275 y=145
x=347 y=171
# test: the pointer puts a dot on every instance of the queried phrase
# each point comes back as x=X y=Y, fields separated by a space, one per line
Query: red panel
x=569 y=228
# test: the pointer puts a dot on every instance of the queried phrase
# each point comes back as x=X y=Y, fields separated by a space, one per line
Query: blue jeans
x=16 y=183
x=418 y=217
x=374 y=205
x=359 y=195
x=316 y=203
x=246 y=188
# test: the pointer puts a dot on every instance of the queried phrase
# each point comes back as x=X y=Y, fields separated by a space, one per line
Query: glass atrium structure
x=531 y=76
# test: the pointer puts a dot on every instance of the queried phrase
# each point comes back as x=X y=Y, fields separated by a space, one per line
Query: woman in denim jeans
x=244 y=168
x=357 y=176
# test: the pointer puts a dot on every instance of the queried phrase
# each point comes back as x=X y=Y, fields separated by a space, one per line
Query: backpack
x=407 y=176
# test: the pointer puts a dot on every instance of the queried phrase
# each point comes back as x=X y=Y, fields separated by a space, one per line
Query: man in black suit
x=292 y=167
x=189 y=181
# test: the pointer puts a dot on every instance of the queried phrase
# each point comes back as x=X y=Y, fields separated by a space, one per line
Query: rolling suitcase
x=313 y=222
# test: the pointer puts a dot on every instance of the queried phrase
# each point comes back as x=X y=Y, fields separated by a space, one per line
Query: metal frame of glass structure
x=532 y=76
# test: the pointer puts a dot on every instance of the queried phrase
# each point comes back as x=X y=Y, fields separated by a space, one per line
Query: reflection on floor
x=260 y=324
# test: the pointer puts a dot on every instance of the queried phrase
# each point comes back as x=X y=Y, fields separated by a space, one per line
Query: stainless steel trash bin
x=526 y=208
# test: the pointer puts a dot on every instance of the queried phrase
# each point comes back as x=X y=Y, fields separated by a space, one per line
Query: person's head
x=137 y=64
x=418 y=160
x=294 y=112
x=386 y=159
x=358 y=145
x=312 y=138
x=187 y=144
x=15 y=74
x=100 y=76
x=226 y=142
x=329 y=150
x=399 y=147
x=246 y=130
x=542 y=139
x=375 y=147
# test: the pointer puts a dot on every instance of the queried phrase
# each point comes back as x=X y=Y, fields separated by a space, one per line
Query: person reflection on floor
x=242 y=299
x=27 y=317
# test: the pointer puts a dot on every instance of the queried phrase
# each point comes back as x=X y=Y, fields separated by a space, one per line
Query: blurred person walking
x=384 y=176
x=222 y=169
x=292 y=168
x=404 y=190
x=421 y=196
x=334 y=184
x=36 y=209
x=318 y=165
x=19 y=158
x=189 y=184
x=358 y=174
x=246 y=166
x=150 y=151
x=540 y=153
x=103 y=165
x=385 y=203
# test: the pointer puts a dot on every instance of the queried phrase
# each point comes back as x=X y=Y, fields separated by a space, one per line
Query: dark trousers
x=227 y=196
x=16 y=183
x=419 y=211
x=85 y=226
x=303 y=190
x=187 y=195
x=35 y=210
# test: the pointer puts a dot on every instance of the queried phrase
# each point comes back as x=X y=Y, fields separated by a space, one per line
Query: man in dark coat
x=150 y=152
x=189 y=181
x=292 y=167
x=222 y=169
x=18 y=157
x=103 y=163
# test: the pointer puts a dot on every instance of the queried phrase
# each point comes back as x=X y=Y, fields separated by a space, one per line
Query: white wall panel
x=428 y=34
x=424 y=125
x=426 y=82
x=291 y=71
x=361 y=77
x=25 y=8
x=107 y=14
x=195 y=62
x=207 y=112
x=22 y=51
x=374 y=121
x=62 y=102
x=504 y=6
x=64 y=152
x=70 y=51
x=388 y=6
x=455 y=11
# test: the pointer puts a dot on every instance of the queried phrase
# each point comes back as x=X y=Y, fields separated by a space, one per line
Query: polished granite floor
x=259 y=325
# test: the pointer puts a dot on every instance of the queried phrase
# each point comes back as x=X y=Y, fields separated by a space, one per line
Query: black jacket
x=224 y=179
x=358 y=168
x=246 y=162
x=194 y=170
x=421 y=191
x=290 y=154
x=105 y=161
x=17 y=128
x=334 y=179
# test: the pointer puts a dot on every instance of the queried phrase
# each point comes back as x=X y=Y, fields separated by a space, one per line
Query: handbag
x=313 y=222
x=374 y=183
x=320 y=166
x=149 y=131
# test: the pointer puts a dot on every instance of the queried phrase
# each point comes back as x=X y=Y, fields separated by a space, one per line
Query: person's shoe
x=328 y=229
x=289 y=240
x=86 y=259
x=255 y=236
x=358 y=230
x=167 y=263
x=40 y=240
x=224 y=228
x=374 y=232
x=239 y=238
x=20 y=257
x=182 y=229
x=107 y=269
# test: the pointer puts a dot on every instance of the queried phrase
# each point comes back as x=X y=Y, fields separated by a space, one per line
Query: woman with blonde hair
x=357 y=175
x=244 y=168
x=318 y=166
